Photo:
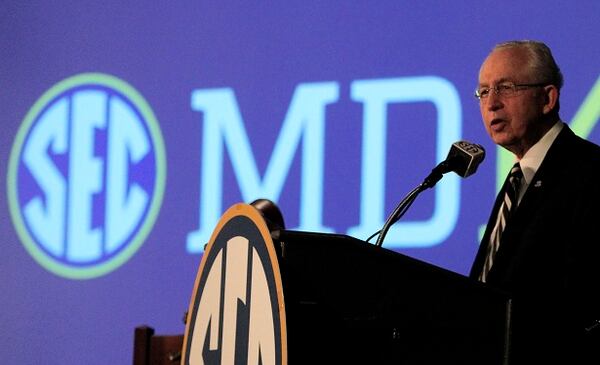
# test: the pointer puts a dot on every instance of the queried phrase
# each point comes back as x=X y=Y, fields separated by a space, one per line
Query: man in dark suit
x=542 y=242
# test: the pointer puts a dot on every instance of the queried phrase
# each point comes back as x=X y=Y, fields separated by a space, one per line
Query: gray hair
x=541 y=61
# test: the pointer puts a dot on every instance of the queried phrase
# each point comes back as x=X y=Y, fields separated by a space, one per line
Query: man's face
x=511 y=121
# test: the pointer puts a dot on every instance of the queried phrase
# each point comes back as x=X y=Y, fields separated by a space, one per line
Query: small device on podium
x=265 y=295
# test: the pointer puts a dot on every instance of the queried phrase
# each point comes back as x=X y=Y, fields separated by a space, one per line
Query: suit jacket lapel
x=546 y=177
x=539 y=188
x=485 y=241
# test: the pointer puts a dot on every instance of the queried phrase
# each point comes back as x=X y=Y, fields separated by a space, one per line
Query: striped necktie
x=507 y=208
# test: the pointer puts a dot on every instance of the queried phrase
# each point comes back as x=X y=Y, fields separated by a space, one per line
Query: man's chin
x=502 y=139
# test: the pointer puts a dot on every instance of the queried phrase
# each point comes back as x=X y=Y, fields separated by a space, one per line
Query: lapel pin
x=538 y=183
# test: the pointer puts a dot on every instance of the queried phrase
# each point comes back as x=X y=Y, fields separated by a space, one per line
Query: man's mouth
x=497 y=124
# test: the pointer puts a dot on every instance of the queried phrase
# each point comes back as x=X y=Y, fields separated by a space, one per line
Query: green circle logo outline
x=138 y=100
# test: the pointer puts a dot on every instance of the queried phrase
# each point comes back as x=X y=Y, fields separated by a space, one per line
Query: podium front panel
x=349 y=302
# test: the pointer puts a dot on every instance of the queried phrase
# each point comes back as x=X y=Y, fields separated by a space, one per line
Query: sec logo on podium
x=237 y=312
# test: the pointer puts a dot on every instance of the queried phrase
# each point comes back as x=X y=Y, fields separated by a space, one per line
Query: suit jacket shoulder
x=563 y=187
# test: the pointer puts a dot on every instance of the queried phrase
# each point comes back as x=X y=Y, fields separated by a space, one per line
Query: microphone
x=463 y=158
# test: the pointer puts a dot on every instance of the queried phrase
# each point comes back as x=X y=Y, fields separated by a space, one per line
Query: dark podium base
x=349 y=302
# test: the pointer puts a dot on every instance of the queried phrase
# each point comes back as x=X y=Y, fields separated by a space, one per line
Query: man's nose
x=493 y=101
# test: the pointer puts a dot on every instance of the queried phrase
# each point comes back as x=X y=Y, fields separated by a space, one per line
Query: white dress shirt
x=533 y=158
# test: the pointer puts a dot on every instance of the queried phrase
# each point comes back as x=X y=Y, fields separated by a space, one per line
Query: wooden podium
x=334 y=299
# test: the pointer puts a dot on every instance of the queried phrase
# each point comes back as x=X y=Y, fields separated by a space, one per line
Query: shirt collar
x=533 y=158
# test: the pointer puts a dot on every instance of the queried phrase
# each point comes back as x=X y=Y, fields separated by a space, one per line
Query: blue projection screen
x=130 y=127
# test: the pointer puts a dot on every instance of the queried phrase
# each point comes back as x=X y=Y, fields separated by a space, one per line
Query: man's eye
x=484 y=92
x=504 y=87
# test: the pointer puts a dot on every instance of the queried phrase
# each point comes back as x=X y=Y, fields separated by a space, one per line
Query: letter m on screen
x=223 y=127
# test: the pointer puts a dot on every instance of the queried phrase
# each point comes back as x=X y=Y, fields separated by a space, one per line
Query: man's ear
x=550 y=98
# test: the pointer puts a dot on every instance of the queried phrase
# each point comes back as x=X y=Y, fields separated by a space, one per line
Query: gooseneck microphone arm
x=463 y=158
x=436 y=174
x=401 y=208
x=429 y=182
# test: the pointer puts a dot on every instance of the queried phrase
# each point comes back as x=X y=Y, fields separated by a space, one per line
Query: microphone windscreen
x=465 y=157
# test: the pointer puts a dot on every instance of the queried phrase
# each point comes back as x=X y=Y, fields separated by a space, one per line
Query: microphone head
x=465 y=157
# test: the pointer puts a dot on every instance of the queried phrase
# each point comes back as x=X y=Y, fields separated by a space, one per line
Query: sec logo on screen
x=86 y=176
